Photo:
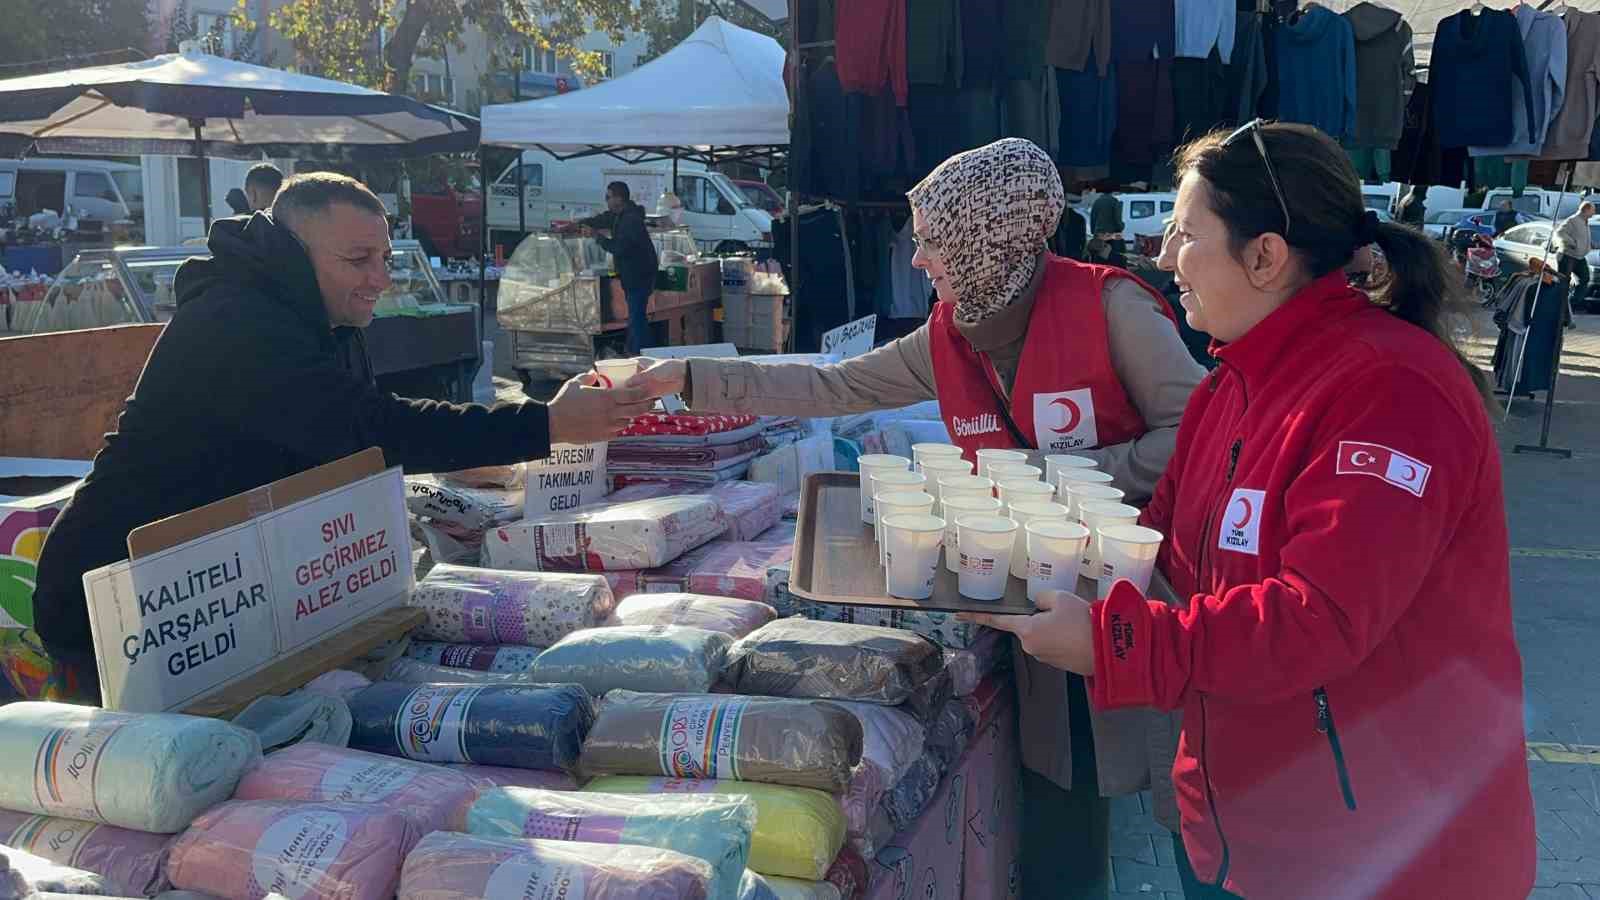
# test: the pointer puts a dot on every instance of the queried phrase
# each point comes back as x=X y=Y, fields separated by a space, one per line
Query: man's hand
x=1059 y=635
x=583 y=414
x=659 y=377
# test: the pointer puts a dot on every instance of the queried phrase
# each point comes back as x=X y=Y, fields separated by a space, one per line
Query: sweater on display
x=1544 y=43
x=1568 y=137
x=1203 y=26
x=1384 y=62
x=1478 y=62
x=1316 y=60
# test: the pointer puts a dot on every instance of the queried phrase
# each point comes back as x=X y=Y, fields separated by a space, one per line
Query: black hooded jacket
x=248 y=384
x=629 y=245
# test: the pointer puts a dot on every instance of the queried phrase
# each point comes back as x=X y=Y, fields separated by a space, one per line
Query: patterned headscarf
x=988 y=212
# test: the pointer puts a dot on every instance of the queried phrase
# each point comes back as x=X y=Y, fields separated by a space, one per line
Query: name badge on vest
x=1064 y=421
x=1241 y=522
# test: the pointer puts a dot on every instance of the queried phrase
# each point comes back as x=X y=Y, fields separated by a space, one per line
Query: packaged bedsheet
x=448 y=866
x=642 y=534
x=833 y=661
x=802 y=743
x=428 y=795
x=751 y=507
x=466 y=508
x=942 y=628
x=892 y=741
x=525 y=727
x=666 y=659
x=950 y=732
x=501 y=477
x=732 y=616
x=722 y=567
x=504 y=776
x=127 y=861
x=908 y=798
x=477 y=657
x=970 y=666
x=145 y=771
x=247 y=849
x=414 y=671
x=798 y=830
x=715 y=828
x=24 y=875
x=469 y=605
x=926 y=701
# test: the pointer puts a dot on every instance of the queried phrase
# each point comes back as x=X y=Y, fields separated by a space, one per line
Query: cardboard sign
x=573 y=475
x=216 y=607
x=852 y=338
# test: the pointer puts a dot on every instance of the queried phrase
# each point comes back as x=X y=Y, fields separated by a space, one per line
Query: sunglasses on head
x=1253 y=129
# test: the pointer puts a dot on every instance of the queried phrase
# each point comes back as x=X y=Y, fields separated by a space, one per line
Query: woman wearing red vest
x=1350 y=683
x=1023 y=349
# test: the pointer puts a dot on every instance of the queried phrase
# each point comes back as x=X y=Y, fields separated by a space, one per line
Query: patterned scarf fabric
x=988 y=212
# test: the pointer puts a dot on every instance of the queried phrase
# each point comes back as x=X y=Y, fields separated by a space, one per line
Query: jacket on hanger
x=1568 y=137
x=1384 y=63
x=1477 y=64
x=1544 y=43
x=1203 y=26
x=1080 y=32
x=1316 y=63
x=1142 y=30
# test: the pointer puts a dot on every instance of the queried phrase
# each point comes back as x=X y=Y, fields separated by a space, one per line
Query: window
x=447 y=90
x=1535 y=234
x=93 y=186
x=1168 y=206
x=532 y=175
x=692 y=191
x=223 y=25
x=542 y=61
x=1141 y=209
x=607 y=63
x=472 y=104
x=8 y=183
x=190 y=174
x=131 y=183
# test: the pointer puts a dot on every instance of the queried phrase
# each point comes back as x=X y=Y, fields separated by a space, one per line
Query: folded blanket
x=849 y=874
x=826 y=660
x=725 y=568
x=724 y=736
x=679 y=455
x=751 y=507
x=247 y=849
x=892 y=741
x=667 y=659
x=478 y=657
x=533 y=727
x=489 y=606
x=128 y=861
x=449 y=866
x=501 y=776
x=694 y=477
x=638 y=535
x=666 y=423
x=731 y=616
x=668 y=467
x=428 y=795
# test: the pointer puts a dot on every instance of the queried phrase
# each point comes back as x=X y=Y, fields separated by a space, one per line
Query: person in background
x=1105 y=229
x=1346 y=665
x=1414 y=206
x=621 y=231
x=1504 y=218
x=1023 y=350
x=261 y=184
x=238 y=202
x=1573 y=242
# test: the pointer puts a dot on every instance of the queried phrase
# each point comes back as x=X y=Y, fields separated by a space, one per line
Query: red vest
x=1066 y=395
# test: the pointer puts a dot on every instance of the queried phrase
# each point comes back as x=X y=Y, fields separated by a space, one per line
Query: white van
x=714 y=209
x=1142 y=214
x=98 y=190
x=1536 y=201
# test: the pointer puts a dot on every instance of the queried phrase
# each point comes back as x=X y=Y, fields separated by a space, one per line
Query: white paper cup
x=1055 y=554
x=912 y=502
x=986 y=457
x=921 y=453
x=985 y=545
x=1055 y=462
x=912 y=558
x=1005 y=471
x=886 y=480
x=1023 y=490
x=955 y=507
x=615 y=372
x=1023 y=513
x=939 y=468
x=867 y=464
x=1098 y=514
x=1079 y=491
x=1088 y=476
x=966 y=486
x=1127 y=551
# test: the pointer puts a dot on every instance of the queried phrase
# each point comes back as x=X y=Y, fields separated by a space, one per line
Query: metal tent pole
x=1538 y=288
x=205 y=173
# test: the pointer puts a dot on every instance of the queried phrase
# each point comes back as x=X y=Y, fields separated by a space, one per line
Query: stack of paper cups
x=986 y=457
x=1098 y=514
x=938 y=469
x=1092 y=476
x=1127 y=551
x=1023 y=490
x=1055 y=462
x=912 y=557
x=1079 y=491
x=615 y=373
x=963 y=505
x=921 y=453
x=869 y=463
x=965 y=486
x=900 y=503
x=1055 y=554
x=985 y=545
x=1023 y=513
x=1006 y=471
x=889 y=480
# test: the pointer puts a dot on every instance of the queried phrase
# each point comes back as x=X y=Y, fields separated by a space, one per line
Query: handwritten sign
x=176 y=625
x=571 y=476
x=852 y=338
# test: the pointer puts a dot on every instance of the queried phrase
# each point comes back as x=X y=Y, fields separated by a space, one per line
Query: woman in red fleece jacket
x=1350 y=683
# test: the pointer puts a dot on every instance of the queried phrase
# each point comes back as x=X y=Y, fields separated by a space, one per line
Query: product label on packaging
x=67 y=764
x=55 y=839
x=560 y=547
x=431 y=725
x=526 y=878
x=681 y=785
x=467 y=656
x=699 y=738
x=594 y=829
x=358 y=781
x=294 y=853
x=478 y=619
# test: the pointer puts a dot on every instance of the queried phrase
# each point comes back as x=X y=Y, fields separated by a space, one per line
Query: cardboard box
x=756 y=321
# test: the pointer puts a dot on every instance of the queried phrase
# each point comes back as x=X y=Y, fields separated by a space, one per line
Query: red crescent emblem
x=1411 y=473
x=1248 y=513
x=1074 y=415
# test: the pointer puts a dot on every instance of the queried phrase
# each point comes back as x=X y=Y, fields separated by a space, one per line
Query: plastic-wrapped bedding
x=467 y=605
x=950 y=732
x=802 y=743
x=467 y=508
x=503 y=776
x=525 y=727
x=428 y=795
x=732 y=616
x=832 y=661
x=129 y=862
x=502 y=477
x=776 y=887
x=477 y=657
x=145 y=771
x=247 y=849
x=642 y=534
x=751 y=506
x=927 y=701
x=975 y=663
x=892 y=741
x=413 y=671
x=448 y=866
x=943 y=629
x=798 y=830
x=726 y=568
x=666 y=659
x=907 y=799
x=318 y=716
x=23 y=875
x=715 y=828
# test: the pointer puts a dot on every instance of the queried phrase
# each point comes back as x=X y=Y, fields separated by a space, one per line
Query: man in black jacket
x=263 y=373
x=634 y=254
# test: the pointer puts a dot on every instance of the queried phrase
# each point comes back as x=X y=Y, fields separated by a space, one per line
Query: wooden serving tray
x=836 y=558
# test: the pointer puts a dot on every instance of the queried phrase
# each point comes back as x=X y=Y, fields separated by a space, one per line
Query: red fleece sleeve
x=1355 y=548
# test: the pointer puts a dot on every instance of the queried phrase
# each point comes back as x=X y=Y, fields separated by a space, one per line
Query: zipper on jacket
x=1325 y=726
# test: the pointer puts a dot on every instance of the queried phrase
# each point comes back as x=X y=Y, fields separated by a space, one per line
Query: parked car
x=447 y=218
x=1437 y=223
x=1538 y=201
x=1142 y=214
x=761 y=195
x=1482 y=222
x=1526 y=242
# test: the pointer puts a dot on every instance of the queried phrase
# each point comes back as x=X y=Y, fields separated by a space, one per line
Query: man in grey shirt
x=1573 y=242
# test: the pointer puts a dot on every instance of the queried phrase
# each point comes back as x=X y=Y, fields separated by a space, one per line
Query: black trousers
x=1579 y=265
x=1066 y=835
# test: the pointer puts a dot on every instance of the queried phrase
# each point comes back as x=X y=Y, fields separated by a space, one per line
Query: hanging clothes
x=1025 y=24
x=1384 y=64
x=1139 y=27
x=825 y=151
x=1249 y=73
x=1317 y=72
x=887 y=147
x=869 y=42
x=1419 y=159
x=1088 y=120
x=933 y=41
x=1199 y=96
x=1544 y=43
x=1477 y=64
x=1203 y=26
x=1529 y=317
x=909 y=286
x=1373 y=164
x=1145 y=111
x=824 y=287
x=1033 y=110
x=1568 y=137
x=983 y=42
x=1080 y=33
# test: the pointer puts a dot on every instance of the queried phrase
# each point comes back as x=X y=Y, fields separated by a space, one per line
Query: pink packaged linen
x=247 y=849
x=128 y=861
x=318 y=773
x=752 y=507
x=731 y=616
x=502 y=776
x=448 y=866
x=624 y=583
x=724 y=568
x=642 y=534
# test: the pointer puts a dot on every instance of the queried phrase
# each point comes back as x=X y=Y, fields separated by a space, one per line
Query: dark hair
x=1327 y=218
x=308 y=195
x=620 y=188
x=265 y=176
